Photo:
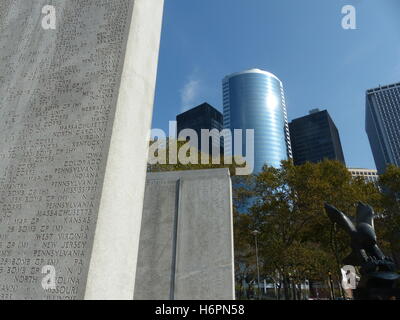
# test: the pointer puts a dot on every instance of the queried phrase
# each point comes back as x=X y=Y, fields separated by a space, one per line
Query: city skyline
x=325 y=66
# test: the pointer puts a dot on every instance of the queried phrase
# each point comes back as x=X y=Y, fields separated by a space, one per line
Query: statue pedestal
x=378 y=286
x=376 y=294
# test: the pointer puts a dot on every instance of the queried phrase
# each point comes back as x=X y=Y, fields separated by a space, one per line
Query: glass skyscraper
x=254 y=99
x=383 y=124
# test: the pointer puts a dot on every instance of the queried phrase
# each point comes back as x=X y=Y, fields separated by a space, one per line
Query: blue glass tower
x=254 y=99
x=383 y=125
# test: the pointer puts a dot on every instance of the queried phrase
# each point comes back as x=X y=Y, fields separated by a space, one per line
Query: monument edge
x=112 y=268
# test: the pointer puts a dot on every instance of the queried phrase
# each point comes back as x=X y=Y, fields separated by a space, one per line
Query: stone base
x=186 y=241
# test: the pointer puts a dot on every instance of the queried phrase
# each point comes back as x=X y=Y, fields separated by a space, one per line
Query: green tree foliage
x=390 y=221
x=245 y=259
x=297 y=240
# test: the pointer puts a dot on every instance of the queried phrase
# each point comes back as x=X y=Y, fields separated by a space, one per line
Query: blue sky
x=301 y=41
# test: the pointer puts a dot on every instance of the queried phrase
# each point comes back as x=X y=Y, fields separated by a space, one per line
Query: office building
x=201 y=117
x=369 y=175
x=383 y=125
x=254 y=99
x=314 y=138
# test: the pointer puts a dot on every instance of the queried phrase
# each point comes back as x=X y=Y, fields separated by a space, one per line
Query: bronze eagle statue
x=365 y=250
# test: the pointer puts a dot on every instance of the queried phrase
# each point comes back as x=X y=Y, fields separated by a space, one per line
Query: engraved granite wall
x=75 y=111
x=186 y=241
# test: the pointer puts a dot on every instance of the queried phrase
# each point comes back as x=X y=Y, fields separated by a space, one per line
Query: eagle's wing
x=340 y=218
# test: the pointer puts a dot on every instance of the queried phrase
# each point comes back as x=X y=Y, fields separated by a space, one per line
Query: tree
x=245 y=260
x=297 y=240
x=390 y=219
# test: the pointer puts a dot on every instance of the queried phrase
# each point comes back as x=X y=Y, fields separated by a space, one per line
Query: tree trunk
x=286 y=288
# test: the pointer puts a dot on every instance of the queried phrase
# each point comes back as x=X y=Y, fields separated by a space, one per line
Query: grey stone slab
x=156 y=259
x=204 y=261
x=194 y=259
x=75 y=109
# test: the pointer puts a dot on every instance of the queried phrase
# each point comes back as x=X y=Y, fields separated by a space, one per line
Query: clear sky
x=320 y=64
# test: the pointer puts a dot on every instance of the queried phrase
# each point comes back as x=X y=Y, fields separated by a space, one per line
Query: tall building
x=254 y=99
x=369 y=175
x=314 y=138
x=383 y=124
x=201 y=117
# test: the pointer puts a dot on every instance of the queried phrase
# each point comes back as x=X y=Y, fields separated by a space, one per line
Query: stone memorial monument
x=186 y=241
x=77 y=84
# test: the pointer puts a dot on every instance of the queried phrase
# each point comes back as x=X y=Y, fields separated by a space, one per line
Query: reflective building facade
x=314 y=138
x=383 y=124
x=254 y=99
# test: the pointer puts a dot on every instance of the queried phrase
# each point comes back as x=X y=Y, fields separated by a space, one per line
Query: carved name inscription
x=58 y=92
